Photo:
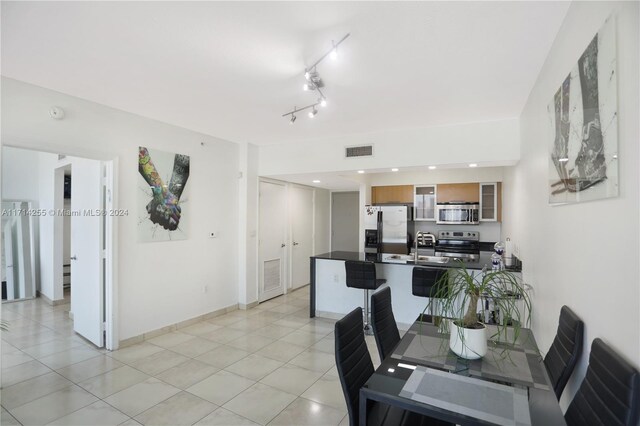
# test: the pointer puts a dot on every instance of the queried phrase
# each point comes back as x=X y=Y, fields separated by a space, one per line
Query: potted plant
x=457 y=294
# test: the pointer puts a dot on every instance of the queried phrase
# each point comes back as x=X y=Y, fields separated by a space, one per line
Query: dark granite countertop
x=485 y=259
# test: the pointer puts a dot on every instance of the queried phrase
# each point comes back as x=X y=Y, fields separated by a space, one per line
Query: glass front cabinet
x=424 y=202
x=489 y=201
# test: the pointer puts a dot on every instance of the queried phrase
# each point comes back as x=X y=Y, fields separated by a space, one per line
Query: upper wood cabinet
x=450 y=192
x=399 y=194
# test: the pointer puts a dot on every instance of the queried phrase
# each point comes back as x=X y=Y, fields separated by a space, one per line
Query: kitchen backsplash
x=489 y=231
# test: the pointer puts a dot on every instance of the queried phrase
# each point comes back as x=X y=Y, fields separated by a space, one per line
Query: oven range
x=458 y=244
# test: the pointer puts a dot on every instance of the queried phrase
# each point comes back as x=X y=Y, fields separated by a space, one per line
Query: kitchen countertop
x=485 y=259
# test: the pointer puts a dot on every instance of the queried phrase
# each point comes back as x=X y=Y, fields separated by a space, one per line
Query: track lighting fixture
x=315 y=83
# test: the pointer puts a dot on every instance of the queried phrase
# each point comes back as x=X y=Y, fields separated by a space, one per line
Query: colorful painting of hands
x=161 y=195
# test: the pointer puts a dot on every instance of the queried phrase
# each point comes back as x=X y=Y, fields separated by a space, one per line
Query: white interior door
x=301 y=213
x=87 y=250
x=272 y=228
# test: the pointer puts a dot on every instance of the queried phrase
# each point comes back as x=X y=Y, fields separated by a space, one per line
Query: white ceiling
x=230 y=69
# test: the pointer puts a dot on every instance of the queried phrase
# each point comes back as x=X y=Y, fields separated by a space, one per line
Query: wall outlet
x=335 y=278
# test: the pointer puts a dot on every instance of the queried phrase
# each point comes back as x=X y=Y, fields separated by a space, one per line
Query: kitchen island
x=331 y=298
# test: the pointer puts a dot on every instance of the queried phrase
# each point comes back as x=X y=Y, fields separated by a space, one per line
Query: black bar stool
x=363 y=275
x=423 y=284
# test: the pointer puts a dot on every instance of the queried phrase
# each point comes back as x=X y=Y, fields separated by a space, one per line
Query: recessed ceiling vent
x=359 y=151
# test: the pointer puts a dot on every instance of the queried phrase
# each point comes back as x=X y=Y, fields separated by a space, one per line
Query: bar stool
x=363 y=275
x=423 y=284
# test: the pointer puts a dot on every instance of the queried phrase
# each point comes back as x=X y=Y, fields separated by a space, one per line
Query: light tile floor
x=268 y=365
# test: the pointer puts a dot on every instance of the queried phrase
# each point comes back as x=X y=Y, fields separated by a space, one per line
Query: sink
x=421 y=259
x=402 y=257
x=433 y=259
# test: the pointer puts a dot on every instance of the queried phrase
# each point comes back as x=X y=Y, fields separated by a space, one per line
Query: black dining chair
x=424 y=283
x=362 y=275
x=384 y=324
x=565 y=349
x=609 y=393
x=354 y=369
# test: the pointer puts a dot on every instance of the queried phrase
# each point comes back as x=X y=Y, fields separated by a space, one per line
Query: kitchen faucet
x=420 y=236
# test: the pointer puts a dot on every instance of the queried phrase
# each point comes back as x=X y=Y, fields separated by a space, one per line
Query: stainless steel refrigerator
x=385 y=229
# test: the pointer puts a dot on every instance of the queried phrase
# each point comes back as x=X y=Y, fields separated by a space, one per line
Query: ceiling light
x=432 y=167
x=361 y=171
x=473 y=165
x=293 y=119
x=316 y=181
x=394 y=170
x=314 y=82
x=313 y=112
x=563 y=160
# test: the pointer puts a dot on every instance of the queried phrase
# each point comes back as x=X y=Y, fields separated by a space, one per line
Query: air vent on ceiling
x=359 y=151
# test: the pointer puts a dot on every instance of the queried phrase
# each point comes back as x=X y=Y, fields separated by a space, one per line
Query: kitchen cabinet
x=395 y=194
x=424 y=202
x=452 y=192
x=490 y=201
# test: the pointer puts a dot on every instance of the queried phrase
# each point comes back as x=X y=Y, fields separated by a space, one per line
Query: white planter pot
x=473 y=344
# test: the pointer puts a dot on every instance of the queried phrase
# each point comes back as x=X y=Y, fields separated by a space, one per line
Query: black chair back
x=424 y=280
x=352 y=360
x=565 y=349
x=384 y=324
x=361 y=274
x=609 y=393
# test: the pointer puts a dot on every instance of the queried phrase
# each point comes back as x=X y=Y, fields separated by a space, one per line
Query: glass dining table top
x=509 y=385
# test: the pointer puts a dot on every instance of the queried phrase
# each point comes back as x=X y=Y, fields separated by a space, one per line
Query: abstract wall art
x=162 y=195
x=583 y=123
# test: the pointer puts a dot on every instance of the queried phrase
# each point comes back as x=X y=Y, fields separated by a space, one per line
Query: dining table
x=507 y=386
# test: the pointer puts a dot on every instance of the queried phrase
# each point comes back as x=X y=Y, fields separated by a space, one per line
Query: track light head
x=307 y=75
x=322 y=102
x=334 y=51
x=313 y=112
x=293 y=119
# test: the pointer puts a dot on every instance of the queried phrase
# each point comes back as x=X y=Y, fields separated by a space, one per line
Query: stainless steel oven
x=462 y=245
x=458 y=213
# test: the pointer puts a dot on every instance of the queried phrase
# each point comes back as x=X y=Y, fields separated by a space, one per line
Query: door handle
x=283 y=245
x=295 y=244
x=73 y=258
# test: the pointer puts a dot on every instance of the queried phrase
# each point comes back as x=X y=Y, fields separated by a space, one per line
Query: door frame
x=111 y=238
x=287 y=237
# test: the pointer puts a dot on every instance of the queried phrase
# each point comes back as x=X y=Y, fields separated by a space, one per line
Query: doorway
x=75 y=244
x=345 y=221
x=272 y=222
x=301 y=213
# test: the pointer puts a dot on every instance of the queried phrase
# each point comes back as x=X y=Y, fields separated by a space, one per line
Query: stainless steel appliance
x=458 y=244
x=458 y=213
x=385 y=229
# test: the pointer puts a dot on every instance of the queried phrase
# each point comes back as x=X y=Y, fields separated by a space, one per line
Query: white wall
x=492 y=143
x=159 y=283
x=582 y=255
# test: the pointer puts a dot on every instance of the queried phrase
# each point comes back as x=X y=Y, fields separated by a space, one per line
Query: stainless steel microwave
x=458 y=213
